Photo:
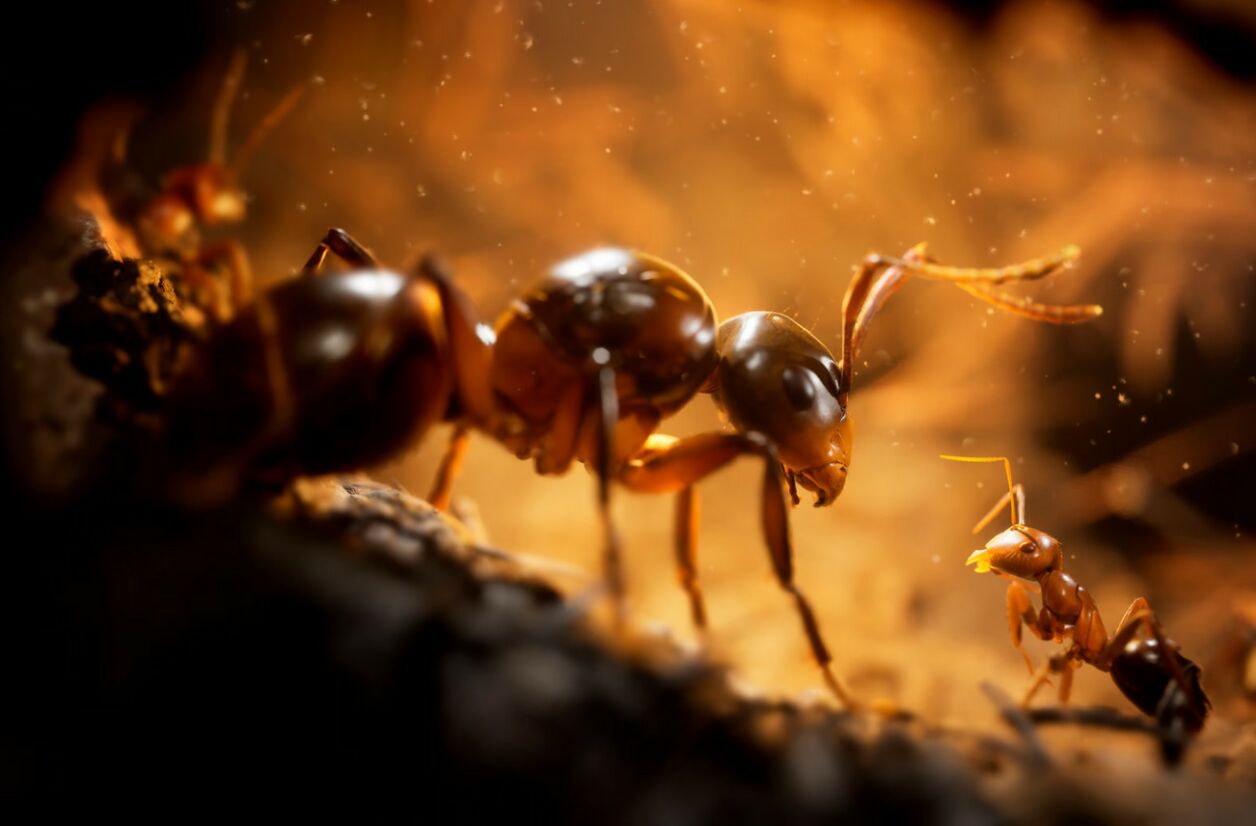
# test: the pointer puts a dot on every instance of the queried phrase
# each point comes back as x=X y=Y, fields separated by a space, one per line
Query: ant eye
x=798 y=387
x=1028 y=547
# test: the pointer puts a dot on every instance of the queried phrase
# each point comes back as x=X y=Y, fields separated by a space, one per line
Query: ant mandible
x=169 y=223
x=326 y=373
x=1148 y=669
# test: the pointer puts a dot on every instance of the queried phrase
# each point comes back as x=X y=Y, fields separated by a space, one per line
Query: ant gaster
x=1147 y=668
x=329 y=372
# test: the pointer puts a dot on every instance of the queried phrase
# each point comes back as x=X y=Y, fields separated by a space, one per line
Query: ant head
x=1019 y=551
x=777 y=380
x=211 y=192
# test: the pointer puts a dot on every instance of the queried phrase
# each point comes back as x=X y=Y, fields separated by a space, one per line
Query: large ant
x=169 y=223
x=325 y=373
x=1148 y=669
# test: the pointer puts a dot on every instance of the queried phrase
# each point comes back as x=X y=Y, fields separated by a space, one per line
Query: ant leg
x=450 y=464
x=470 y=341
x=1019 y=610
x=687 y=552
x=342 y=245
x=240 y=275
x=1053 y=665
x=685 y=461
x=1066 y=682
x=612 y=564
x=1140 y=615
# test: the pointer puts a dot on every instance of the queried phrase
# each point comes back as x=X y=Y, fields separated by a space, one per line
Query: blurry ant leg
x=684 y=462
x=239 y=273
x=342 y=245
x=687 y=552
x=450 y=464
x=1043 y=677
x=1019 y=610
x=612 y=563
x=1140 y=615
x=283 y=408
x=470 y=342
x=1066 y=681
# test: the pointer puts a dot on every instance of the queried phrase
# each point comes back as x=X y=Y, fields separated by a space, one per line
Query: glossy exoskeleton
x=1146 y=667
x=333 y=371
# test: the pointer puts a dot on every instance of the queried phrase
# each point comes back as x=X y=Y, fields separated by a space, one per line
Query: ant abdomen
x=1144 y=677
x=320 y=374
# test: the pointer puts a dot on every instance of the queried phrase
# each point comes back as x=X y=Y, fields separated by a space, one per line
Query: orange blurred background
x=766 y=147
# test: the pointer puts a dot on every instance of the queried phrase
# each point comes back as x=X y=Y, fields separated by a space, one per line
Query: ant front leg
x=669 y=465
x=1021 y=612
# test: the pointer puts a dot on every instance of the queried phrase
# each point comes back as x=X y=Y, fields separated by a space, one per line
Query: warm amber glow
x=765 y=148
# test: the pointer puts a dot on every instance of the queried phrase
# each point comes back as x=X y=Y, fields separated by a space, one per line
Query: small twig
x=1096 y=716
x=1016 y=717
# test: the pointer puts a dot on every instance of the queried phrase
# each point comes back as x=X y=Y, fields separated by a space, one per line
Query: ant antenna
x=222 y=108
x=267 y=123
x=1011 y=498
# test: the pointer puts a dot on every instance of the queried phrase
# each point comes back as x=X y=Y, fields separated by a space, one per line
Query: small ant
x=326 y=373
x=1149 y=670
x=168 y=224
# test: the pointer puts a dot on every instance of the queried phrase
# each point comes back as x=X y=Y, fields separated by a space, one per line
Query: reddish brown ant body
x=330 y=372
x=1148 y=669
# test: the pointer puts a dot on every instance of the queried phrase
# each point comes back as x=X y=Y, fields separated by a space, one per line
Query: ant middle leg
x=1060 y=664
x=672 y=466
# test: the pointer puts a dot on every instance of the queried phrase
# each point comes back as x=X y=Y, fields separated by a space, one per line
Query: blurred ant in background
x=169 y=225
x=1147 y=668
x=333 y=372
